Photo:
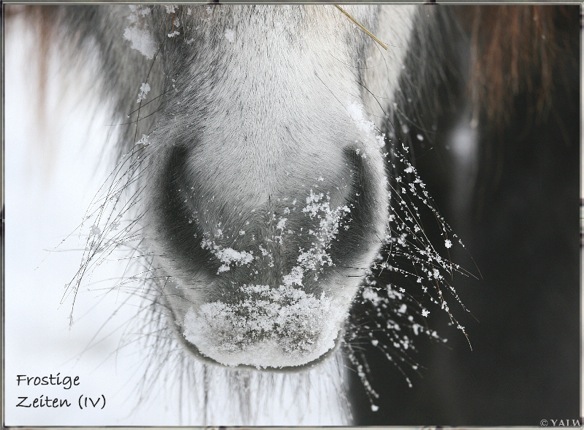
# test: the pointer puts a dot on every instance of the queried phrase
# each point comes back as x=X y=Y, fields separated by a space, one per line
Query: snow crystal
x=141 y=40
x=227 y=256
x=137 y=13
x=370 y=295
x=356 y=113
x=281 y=224
x=144 y=141
x=230 y=35
x=294 y=277
x=144 y=90
x=318 y=207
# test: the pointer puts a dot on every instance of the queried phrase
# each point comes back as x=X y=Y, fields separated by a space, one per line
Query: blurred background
x=508 y=182
x=51 y=180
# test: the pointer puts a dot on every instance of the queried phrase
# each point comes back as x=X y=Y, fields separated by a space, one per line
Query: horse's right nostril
x=359 y=241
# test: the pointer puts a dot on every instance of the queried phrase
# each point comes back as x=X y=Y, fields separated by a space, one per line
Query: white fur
x=276 y=126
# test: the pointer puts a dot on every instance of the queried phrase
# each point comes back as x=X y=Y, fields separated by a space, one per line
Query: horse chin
x=261 y=357
x=272 y=329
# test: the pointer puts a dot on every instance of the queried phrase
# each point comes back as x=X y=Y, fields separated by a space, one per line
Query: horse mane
x=513 y=49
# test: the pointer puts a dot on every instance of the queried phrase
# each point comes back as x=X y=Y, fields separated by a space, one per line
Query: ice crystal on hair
x=230 y=35
x=396 y=313
x=227 y=256
x=144 y=141
x=144 y=90
x=356 y=113
x=280 y=321
x=110 y=232
x=170 y=9
x=94 y=230
x=138 y=33
x=318 y=207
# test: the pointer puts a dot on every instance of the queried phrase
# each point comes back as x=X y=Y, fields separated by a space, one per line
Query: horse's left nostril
x=175 y=227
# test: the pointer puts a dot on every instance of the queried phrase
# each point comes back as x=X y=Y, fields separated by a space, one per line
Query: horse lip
x=284 y=369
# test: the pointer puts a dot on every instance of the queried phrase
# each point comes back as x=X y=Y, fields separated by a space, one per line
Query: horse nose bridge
x=274 y=209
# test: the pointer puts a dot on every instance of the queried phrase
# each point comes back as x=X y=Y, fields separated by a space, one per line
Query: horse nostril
x=175 y=227
x=360 y=240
